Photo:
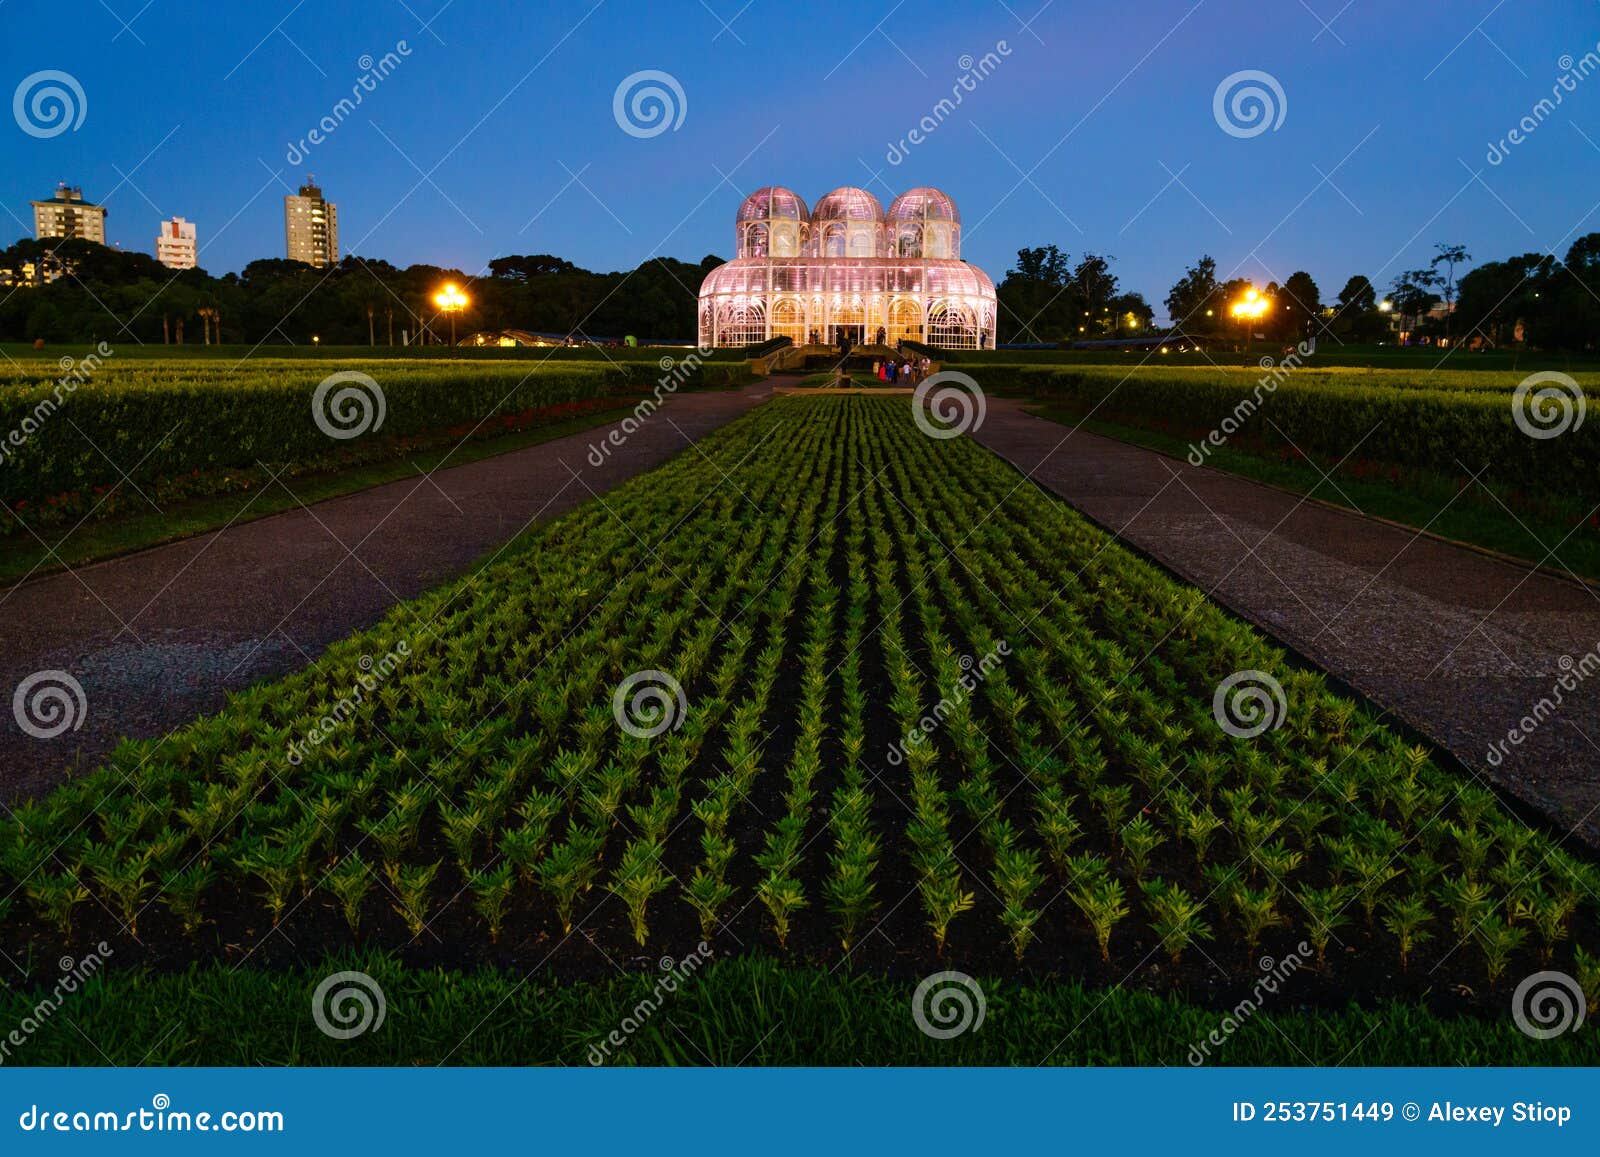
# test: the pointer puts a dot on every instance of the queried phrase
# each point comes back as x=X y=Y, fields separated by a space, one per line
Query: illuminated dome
x=772 y=222
x=773 y=203
x=848 y=222
x=847 y=271
x=924 y=204
x=847 y=203
x=924 y=222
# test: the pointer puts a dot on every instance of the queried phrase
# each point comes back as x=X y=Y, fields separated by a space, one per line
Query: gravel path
x=1458 y=645
x=156 y=638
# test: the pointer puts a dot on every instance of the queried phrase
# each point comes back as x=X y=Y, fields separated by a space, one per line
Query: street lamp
x=452 y=301
x=1249 y=309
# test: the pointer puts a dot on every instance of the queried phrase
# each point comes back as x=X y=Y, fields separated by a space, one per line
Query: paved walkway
x=156 y=638
x=1459 y=645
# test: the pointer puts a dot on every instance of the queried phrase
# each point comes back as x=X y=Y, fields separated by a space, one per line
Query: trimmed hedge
x=1454 y=430
x=162 y=421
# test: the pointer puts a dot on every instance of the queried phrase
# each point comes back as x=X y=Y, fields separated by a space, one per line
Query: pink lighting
x=901 y=272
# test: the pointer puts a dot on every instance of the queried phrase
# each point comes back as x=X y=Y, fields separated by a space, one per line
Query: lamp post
x=1249 y=309
x=452 y=301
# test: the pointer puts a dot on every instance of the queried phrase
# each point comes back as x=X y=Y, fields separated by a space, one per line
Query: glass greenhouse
x=847 y=269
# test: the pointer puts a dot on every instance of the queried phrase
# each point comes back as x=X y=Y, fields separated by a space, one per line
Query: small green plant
x=1175 y=916
x=1140 y=839
x=706 y=893
x=182 y=892
x=491 y=890
x=944 y=900
x=1104 y=905
x=782 y=896
x=1407 y=918
x=639 y=878
x=1255 y=911
x=1498 y=940
x=350 y=881
x=1325 y=910
x=55 y=897
x=411 y=883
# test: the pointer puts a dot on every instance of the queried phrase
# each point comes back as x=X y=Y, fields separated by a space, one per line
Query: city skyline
x=500 y=157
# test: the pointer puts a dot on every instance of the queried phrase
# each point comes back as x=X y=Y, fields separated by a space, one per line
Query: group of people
x=907 y=371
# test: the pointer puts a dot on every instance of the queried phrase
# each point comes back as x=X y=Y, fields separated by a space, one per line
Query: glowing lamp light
x=1251 y=306
x=452 y=301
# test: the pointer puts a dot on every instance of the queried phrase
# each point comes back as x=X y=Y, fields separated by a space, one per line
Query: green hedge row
x=1330 y=416
x=156 y=422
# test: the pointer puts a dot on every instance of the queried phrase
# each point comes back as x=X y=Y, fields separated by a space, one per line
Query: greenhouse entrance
x=855 y=334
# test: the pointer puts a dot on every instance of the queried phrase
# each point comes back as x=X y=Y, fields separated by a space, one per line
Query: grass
x=1425 y=501
x=93 y=541
x=740 y=1011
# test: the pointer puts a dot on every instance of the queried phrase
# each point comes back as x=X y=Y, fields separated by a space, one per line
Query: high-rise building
x=67 y=214
x=177 y=248
x=311 y=226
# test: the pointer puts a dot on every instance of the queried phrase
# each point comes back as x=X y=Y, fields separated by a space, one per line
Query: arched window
x=789 y=320
x=861 y=243
x=833 y=241
x=952 y=325
x=905 y=321
x=755 y=240
x=910 y=241
x=741 y=323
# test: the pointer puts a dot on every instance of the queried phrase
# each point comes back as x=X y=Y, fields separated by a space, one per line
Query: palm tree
x=1449 y=256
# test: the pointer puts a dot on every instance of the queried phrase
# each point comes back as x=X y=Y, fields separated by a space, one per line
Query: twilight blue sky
x=1096 y=131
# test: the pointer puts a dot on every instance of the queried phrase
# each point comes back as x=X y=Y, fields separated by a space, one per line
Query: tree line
x=1534 y=299
x=110 y=295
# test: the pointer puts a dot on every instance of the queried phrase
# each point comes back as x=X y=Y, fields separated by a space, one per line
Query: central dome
x=848 y=203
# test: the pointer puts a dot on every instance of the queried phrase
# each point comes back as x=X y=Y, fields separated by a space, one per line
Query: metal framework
x=848 y=269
